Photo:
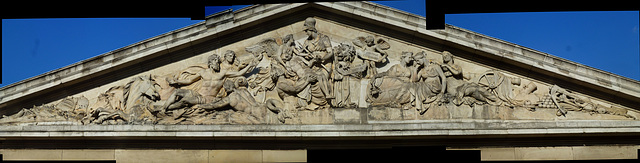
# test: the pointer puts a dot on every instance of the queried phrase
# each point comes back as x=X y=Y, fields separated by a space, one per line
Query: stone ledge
x=425 y=128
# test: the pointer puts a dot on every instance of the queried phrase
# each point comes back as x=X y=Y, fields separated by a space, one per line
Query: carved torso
x=211 y=83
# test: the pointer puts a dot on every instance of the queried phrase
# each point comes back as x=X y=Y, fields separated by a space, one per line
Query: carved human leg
x=215 y=105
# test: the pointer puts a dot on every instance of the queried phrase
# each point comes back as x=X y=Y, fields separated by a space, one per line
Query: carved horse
x=130 y=102
x=138 y=95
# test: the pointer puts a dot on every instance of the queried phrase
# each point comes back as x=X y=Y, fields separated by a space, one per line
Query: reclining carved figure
x=212 y=81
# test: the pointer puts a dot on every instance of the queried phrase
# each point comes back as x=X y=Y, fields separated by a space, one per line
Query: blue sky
x=605 y=40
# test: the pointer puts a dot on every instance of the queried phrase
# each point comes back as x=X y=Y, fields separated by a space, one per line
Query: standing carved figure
x=344 y=73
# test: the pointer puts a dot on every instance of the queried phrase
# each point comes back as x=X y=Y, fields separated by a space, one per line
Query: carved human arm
x=187 y=81
x=290 y=86
x=327 y=57
x=295 y=47
x=279 y=53
x=455 y=70
x=382 y=74
x=443 y=80
x=327 y=46
x=384 y=54
x=415 y=76
x=231 y=74
x=302 y=50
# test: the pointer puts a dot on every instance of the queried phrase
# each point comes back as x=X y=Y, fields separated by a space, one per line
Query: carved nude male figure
x=241 y=100
x=212 y=81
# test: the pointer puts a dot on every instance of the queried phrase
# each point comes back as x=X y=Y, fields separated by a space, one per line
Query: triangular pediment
x=318 y=63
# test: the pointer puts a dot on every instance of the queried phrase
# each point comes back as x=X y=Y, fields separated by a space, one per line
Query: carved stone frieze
x=300 y=80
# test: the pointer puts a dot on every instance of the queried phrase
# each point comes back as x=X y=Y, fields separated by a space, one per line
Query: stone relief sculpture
x=390 y=88
x=565 y=101
x=371 y=51
x=70 y=108
x=212 y=82
x=318 y=51
x=296 y=79
x=424 y=86
x=344 y=73
x=430 y=82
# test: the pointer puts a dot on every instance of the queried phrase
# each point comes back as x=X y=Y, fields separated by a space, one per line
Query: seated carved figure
x=429 y=83
x=458 y=91
x=453 y=72
x=388 y=88
x=424 y=85
x=401 y=71
x=318 y=52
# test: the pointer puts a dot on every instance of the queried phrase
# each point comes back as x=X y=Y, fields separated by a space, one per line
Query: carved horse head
x=140 y=90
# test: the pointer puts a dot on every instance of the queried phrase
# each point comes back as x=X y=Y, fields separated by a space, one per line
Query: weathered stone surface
x=605 y=152
x=40 y=154
x=337 y=70
x=284 y=156
x=166 y=155
x=367 y=128
x=88 y=154
x=544 y=153
x=235 y=156
x=352 y=116
x=597 y=152
x=358 y=66
x=498 y=154
x=155 y=155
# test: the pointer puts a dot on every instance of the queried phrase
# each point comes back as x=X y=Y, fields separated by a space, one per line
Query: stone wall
x=154 y=155
x=611 y=152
